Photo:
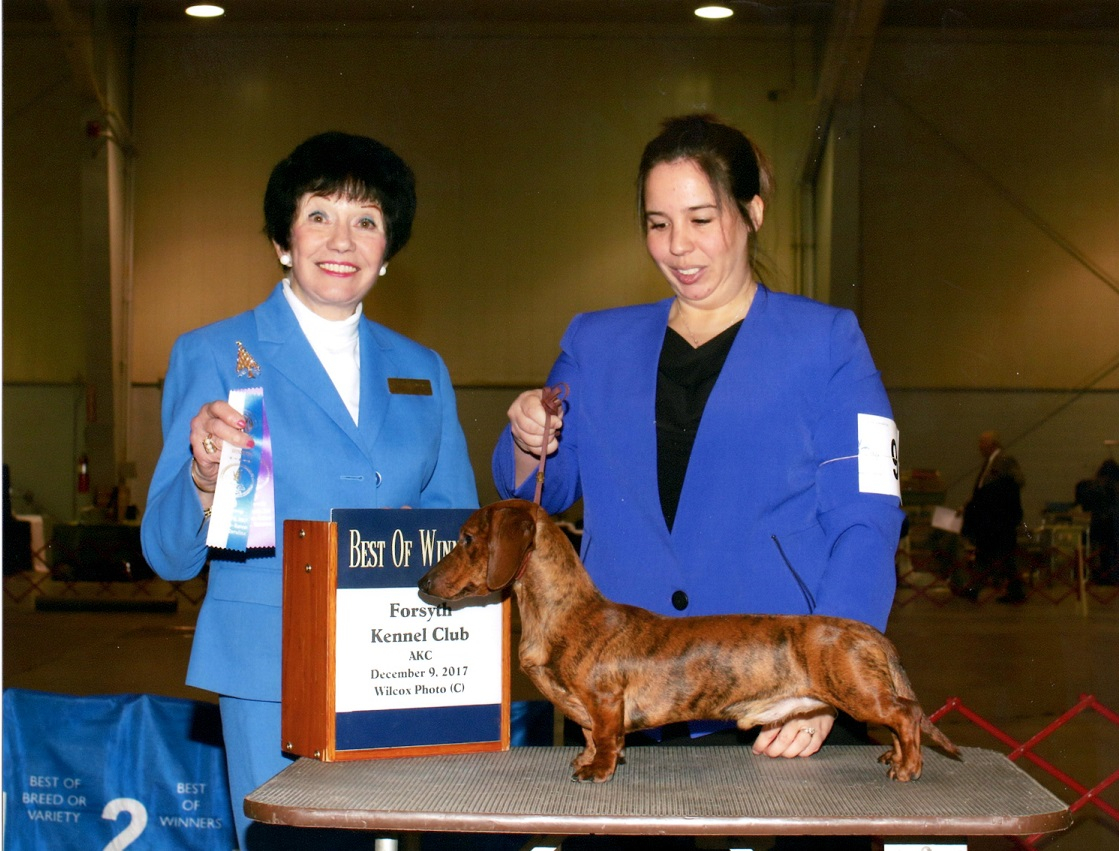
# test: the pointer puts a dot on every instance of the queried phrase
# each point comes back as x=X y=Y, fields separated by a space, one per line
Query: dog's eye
x=467 y=540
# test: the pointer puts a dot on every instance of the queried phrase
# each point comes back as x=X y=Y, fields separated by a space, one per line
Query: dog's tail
x=938 y=738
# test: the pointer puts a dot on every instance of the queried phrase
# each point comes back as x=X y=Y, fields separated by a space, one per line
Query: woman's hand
x=215 y=424
x=526 y=417
x=800 y=736
x=526 y=420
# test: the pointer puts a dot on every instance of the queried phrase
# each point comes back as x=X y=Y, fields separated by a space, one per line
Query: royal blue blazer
x=775 y=515
x=409 y=450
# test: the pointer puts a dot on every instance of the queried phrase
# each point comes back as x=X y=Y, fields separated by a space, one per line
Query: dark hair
x=356 y=167
x=735 y=167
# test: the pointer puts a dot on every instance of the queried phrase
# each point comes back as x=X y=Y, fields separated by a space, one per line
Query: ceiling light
x=205 y=11
x=714 y=12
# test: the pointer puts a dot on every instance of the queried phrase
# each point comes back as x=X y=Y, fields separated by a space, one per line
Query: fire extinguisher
x=83 y=473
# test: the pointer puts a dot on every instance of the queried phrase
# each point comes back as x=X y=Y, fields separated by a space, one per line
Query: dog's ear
x=512 y=539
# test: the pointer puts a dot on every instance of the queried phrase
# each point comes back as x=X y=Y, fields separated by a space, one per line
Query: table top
x=727 y=791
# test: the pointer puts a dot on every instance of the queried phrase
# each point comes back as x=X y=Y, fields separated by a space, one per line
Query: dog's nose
x=425 y=584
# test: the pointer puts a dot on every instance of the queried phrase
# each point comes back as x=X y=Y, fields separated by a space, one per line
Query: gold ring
x=208 y=443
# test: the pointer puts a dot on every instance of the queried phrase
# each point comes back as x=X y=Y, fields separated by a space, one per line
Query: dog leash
x=551 y=398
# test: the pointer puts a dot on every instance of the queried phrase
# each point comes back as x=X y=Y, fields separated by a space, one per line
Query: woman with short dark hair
x=343 y=432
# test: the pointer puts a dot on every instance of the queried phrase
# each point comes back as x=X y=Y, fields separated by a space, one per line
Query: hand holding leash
x=552 y=400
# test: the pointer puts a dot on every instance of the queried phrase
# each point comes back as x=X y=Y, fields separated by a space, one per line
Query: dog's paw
x=581 y=761
x=903 y=775
x=891 y=757
x=899 y=770
x=587 y=774
x=599 y=769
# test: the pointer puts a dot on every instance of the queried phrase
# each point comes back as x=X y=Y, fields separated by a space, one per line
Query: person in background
x=990 y=522
x=1100 y=496
x=733 y=446
x=345 y=431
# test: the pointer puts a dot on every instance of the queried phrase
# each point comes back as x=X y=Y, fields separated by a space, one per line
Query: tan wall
x=990 y=194
x=44 y=146
x=525 y=143
x=989 y=211
x=525 y=149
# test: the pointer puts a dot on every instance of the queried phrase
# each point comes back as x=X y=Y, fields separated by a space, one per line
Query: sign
x=410 y=671
x=947 y=519
x=878 y=456
x=373 y=668
x=107 y=771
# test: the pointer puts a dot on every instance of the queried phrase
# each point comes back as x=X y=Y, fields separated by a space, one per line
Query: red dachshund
x=614 y=668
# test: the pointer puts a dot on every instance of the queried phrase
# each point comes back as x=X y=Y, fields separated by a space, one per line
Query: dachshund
x=615 y=668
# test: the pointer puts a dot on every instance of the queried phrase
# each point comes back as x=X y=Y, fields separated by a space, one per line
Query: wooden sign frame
x=310 y=708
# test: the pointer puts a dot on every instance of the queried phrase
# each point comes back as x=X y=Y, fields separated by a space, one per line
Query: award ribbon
x=243 y=513
x=262 y=524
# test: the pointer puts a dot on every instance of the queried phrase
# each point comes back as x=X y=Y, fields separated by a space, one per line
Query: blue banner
x=105 y=772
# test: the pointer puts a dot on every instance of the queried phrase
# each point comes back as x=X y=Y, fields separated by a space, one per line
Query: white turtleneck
x=336 y=343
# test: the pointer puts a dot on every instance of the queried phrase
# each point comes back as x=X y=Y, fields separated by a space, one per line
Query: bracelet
x=194 y=478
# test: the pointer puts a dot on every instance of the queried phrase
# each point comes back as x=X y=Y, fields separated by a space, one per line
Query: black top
x=685 y=377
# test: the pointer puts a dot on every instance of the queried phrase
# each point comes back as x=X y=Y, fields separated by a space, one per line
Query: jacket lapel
x=375 y=354
x=285 y=349
x=631 y=385
x=642 y=359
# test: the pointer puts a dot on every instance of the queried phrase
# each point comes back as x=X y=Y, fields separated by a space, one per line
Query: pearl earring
x=384 y=269
x=285 y=259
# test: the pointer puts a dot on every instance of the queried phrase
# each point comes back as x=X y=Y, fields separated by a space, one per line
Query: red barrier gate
x=1085 y=795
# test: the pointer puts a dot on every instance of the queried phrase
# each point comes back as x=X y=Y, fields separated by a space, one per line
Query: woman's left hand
x=215 y=423
x=800 y=736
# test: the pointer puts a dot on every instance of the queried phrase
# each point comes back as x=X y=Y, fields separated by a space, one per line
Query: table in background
x=717 y=791
x=38 y=541
x=98 y=552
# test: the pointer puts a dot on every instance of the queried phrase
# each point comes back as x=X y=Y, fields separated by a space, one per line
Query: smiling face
x=337 y=250
x=698 y=241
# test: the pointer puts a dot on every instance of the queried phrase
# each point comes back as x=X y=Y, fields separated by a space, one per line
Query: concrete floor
x=1017 y=667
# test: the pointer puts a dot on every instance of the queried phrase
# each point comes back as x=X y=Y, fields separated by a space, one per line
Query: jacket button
x=679 y=600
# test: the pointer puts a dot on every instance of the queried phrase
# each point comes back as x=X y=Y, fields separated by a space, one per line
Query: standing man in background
x=991 y=519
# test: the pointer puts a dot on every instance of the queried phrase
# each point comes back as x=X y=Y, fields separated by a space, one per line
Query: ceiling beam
x=77 y=44
x=846 y=53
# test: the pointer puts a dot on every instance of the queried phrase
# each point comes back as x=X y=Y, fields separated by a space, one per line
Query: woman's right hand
x=216 y=423
x=526 y=420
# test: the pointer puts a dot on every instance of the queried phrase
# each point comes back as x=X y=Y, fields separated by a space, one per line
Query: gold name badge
x=410 y=386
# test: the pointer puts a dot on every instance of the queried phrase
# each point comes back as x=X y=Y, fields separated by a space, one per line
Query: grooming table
x=705 y=791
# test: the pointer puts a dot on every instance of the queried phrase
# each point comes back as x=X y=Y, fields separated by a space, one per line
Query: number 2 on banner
x=131 y=833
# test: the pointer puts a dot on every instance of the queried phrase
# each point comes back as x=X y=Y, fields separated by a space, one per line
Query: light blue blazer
x=409 y=450
x=774 y=515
